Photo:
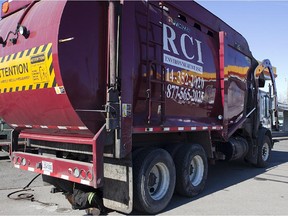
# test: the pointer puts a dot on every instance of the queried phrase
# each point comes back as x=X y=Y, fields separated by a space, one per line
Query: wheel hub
x=265 y=152
x=152 y=180
x=158 y=181
x=196 y=170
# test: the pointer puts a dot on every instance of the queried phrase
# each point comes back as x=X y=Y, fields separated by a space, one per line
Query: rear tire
x=264 y=152
x=172 y=149
x=154 y=180
x=192 y=170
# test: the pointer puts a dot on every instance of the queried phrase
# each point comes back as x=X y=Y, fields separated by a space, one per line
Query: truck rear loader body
x=130 y=98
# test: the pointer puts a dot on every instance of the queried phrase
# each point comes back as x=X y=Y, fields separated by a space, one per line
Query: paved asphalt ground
x=233 y=188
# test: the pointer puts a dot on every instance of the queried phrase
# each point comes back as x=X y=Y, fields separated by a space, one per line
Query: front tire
x=264 y=152
x=154 y=180
x=192 y=170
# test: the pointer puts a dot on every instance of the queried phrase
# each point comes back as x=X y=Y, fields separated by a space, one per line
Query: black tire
x=264 y=152
x=153 y=180
x=172 y=149
x=136 y=152
x=191 y=169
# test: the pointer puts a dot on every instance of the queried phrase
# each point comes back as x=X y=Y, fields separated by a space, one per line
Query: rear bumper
x=86 y=173
x=56 y=167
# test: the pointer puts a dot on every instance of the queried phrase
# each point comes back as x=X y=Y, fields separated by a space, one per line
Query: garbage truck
x=129 y=100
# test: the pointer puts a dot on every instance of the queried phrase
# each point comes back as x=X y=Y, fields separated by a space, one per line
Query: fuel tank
x=50 y=78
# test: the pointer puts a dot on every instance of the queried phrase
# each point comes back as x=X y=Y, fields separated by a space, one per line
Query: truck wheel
x=191 y=169
x=264 y=151
x=154 y=180
x=172 y=149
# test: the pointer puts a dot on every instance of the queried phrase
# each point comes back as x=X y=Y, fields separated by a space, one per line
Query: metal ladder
x=155 y=69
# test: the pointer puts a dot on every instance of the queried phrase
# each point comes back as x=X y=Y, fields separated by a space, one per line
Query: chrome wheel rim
x=158 y=181
x=196 y=170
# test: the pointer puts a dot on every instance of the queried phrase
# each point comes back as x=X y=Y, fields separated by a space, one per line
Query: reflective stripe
x=65 y=177
x=51 y=127
x=31 y=169
x=82 y=181
x=90 y=197
x=46 y=173
x=175 y=129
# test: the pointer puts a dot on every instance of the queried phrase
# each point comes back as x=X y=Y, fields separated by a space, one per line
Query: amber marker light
x=5 y=7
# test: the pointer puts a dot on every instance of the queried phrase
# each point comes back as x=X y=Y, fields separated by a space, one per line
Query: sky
x=264 y=24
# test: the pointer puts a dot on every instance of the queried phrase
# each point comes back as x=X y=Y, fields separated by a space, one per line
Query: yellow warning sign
x=27 y=70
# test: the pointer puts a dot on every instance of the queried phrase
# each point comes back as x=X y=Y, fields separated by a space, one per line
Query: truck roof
x=211 y=21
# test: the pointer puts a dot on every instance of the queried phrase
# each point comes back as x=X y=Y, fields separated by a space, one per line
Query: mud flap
x=118 y=184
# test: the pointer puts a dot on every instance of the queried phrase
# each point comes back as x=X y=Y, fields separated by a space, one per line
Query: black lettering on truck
x=14 y=70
